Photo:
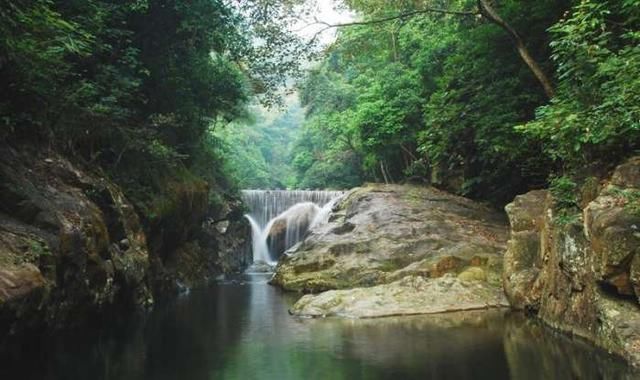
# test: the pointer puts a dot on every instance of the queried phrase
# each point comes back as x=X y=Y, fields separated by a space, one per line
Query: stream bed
x=239 y=328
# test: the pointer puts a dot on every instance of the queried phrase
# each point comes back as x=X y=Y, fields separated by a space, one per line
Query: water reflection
x=240 y=329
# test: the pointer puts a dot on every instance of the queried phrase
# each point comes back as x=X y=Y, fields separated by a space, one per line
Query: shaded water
x=240 y=329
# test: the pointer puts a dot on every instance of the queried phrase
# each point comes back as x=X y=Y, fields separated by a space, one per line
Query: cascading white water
x=280 y=218
x=299 y=218
x=259 y=243
x=322 y=216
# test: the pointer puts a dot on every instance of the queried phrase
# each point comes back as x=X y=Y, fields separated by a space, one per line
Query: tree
x=433 y=98
x=482 y=8
x=594 y=121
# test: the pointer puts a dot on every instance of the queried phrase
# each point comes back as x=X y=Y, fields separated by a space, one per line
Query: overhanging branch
x=484 y=10
x=400 y=16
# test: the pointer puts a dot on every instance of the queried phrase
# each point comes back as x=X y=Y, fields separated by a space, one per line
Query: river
x=239 y=328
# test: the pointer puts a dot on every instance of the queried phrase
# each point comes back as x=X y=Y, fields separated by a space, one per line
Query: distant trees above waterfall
x=258 y=149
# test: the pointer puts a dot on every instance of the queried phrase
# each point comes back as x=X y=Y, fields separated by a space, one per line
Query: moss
x=388 y=266
x=565 y=217
x=473 y=274
x=313 y=266
x=565 y=199
x=39 y=248
x=629 y=197
x=414 y=196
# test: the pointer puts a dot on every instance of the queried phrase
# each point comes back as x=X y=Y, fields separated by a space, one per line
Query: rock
x=70 y=244
x=409 y=296
x=381 y=233
x=473 y=274
x=627 y=175
x=277 y=237
x=223 y=226
x=398 y=250
x=224 y=252
x=73 y=249
x=525 y=213
x=522 y=259
x=124 y=244
x=580 y=276
x=260 y=267
x=19 y=281
x=289 y=227
x=613 y=241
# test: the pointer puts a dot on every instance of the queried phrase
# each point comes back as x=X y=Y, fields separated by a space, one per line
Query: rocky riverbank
x=74 y=249
x=580 y=272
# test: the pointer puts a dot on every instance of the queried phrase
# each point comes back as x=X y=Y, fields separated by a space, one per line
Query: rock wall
x=73 y=249
x=580 y=274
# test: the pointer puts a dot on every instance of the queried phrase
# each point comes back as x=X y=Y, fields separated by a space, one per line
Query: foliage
x=133 y=87
x=154 y=91
x=257 y=151
x=564 y=191
x=596 y=116
x=432 y=96
x=565 y=196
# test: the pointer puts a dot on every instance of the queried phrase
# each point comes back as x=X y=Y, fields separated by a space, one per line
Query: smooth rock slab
x=379 y=234
x=409 y=296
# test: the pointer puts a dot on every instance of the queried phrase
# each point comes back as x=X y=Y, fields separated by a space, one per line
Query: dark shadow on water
x=240 y=329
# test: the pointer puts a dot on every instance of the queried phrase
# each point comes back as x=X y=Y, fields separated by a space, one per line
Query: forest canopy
x=446 y=99
x=439 y=92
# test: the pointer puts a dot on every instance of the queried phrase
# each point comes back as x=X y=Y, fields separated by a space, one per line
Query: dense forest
x=443 y=97
x=430 y=91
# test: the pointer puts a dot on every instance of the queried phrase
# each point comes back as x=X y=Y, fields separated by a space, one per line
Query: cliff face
x=581 y=274
x=72 y=248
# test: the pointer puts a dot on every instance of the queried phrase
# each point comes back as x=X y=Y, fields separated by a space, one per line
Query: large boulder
x=581 y=274
x=522 y=259
x=277 y=237
x=382 y=234
x=613 y=230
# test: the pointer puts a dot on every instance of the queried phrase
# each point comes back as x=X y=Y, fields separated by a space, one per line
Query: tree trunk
x=490 y=14
x=384 y=173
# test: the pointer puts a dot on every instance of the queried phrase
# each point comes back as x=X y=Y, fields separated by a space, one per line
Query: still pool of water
x=240 y=329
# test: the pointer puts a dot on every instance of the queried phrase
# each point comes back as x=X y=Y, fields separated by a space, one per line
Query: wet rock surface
x=409 y=296
x=580 y=274
x=71 y=245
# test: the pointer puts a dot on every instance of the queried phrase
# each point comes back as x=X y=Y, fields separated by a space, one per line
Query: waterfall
x=259 y=243
x=280 y=218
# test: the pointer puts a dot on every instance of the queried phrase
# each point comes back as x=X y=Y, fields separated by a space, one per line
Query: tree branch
x=485 y=10
x=400 y=16
x=490 y=14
